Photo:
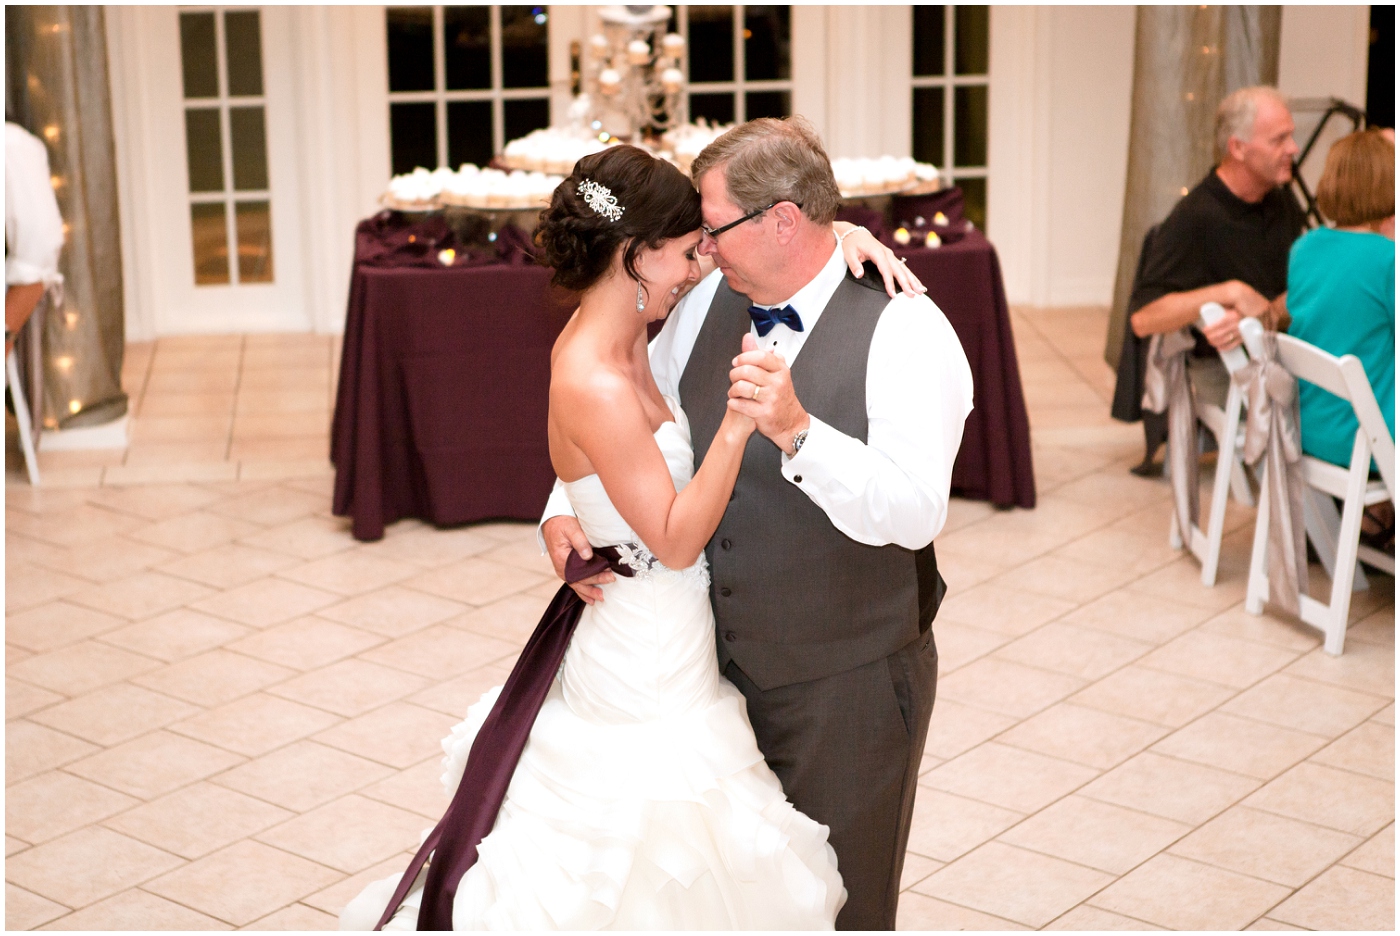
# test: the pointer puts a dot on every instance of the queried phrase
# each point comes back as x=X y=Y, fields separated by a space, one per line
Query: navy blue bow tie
x=765 y=319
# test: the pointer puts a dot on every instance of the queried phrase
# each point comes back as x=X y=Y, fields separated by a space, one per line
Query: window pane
x=243 y=46
x=970 y=37
x=197 y=59
x=245 y=126
x=469 y=132
x=203 y=150
x=970 y=126
x=253 y=222
x=209 y=232
x=767 y=34
x=716 y=108
x=928 y=40
x=928 y=125
x=522 y=117
x=524 y=47
x=767 y=104
x=410 y=32
x=467 y=46
x=413 y=130
x=974 y=200
x=711 y=45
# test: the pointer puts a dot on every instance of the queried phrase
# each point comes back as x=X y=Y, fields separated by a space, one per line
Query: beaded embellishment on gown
x=641 y=800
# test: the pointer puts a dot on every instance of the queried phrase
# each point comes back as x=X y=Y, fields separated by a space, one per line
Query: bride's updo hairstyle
x=577 y=235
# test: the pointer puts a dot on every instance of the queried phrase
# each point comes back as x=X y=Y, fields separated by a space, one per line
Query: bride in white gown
x=641 y=800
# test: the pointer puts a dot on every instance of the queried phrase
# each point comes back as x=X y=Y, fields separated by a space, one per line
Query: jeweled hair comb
x=601 y=199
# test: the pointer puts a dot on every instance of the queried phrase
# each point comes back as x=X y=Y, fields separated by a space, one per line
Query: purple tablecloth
x=443 y=397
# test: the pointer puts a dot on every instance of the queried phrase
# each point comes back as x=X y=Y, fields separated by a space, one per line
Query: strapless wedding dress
x=641 y=800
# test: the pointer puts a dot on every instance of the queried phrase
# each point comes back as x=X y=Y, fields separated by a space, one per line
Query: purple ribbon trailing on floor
x=496 y=750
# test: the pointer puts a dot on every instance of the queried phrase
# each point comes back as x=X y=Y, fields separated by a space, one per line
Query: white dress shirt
x=33 y=226
x=893 y=488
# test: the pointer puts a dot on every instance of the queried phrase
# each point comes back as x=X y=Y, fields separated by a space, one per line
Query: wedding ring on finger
x=756 y=391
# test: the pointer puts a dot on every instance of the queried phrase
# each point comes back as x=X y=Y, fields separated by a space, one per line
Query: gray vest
x=795 y=599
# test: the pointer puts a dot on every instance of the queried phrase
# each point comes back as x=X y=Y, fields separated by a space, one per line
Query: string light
x=74 y=405
x=64 y=362
x=56 y=181
x=70 y=320
x=51 y=132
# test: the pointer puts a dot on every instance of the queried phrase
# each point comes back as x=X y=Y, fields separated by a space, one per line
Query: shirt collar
x=811 y=299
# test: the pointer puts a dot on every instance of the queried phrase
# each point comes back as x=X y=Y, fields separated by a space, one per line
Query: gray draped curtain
x=1186 y=60
x=57 y=87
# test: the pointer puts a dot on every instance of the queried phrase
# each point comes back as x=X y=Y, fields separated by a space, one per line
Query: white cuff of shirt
x=557 y=506
x=819 y=461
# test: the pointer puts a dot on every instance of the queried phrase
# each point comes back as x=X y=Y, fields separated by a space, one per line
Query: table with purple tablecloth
x=443 y=397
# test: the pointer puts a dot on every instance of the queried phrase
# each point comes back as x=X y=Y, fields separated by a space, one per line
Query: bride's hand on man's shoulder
x=859 y=245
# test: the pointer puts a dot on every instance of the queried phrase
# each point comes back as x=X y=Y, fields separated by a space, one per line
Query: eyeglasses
x=716 y=232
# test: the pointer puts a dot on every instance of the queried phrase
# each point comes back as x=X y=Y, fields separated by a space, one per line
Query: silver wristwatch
x=798 y=441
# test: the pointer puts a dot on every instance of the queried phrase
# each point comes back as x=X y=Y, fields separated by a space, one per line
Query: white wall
x=1323 y=53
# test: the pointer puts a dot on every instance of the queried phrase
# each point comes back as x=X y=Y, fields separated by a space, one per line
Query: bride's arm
x=859 y=245
x=603 y=417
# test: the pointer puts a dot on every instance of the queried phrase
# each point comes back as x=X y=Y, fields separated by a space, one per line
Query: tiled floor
x=224 y=712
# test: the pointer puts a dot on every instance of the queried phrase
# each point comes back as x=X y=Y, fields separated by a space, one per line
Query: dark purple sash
x=496 y=750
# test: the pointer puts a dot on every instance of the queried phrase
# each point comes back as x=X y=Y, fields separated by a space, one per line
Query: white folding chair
x=1345 y=378
x=22 y=416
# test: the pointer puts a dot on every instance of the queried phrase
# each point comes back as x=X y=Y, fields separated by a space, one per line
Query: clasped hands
x=1240 y=301
x=760 y=387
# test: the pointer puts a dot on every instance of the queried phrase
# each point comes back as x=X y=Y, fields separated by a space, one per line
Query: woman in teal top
x=1341 y=287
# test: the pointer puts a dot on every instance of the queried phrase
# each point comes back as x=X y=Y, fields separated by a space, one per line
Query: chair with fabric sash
x=1345 y=378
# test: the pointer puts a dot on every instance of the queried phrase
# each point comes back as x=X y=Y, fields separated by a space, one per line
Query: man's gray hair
x=768 y=160
x=1235 y=116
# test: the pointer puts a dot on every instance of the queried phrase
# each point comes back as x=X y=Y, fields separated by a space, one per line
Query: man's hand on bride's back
x=563 y=534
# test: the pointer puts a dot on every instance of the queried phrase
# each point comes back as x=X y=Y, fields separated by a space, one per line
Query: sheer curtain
x=1186 y=59
x=57 y=87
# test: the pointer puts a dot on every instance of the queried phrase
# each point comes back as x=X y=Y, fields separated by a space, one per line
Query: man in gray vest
x=824 y=581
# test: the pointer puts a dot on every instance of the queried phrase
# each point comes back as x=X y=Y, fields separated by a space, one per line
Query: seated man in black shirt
x=1227 y=240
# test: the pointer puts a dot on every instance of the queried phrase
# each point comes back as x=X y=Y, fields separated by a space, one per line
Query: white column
x=869 y=55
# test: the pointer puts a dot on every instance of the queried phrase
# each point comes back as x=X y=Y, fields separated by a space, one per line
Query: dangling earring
x=641 y=303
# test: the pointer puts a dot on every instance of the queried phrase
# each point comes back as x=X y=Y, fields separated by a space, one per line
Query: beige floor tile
x=1266 y=846
x=1134 y=552
x=229 y=565
x=265 y=602
x=474 y=581
x=84 y=523
x=286 y=425
x=84 y=866
x=153 y=765
x=108 y=559
x=284 y=356
x=1266 y=924
x=22 y=699
x=221 y=357
x=55 y=803
x=268 y=402
x=243 y=882
x=274 y=506
x=1170 y=788
x=155 y=501
x=1076 y=651
x=393 y=611
x=288 y=470
x=306 y=643
x=919 y=912
x=1362 y=668
x=1181 y=894
x=440 y=652
x=215 y=677
x=192 y=382
x=1007 y=688
x=1015 y=884
x=298 y=918
x=351 y=573
x=381 y=831
x=32 y=749
x=1342 y=899
x=1271 y=627
x=81 y=667
x=114 y=714
x=1083 y=735
x=961 y=644
x=137 y=910
x=194 y=532
x=186 y=404
x=24 y=911
x=26 y=549
x=1150 y=695
x=1367 y=749
x=175 y=635
x=255 y=724
x=1095 y=834
x=1376 y=855
x=397 y=734
x=286 y=380
x=303 y=775
x=351 y=687
x=916 y=868
x=418 y=789
x=1064 y=578
x=1085 y=918
x=56 y=624
x=142 y=595
x=1338 y=799
x=333 y=899
x=187 y=428
x=28 y=586
x=455 y=695
x=1009 y=777
x=1180 y=581
x=198 y=819
x=1242 y=745
x=307 y=538
x=1005 y=610
x=264 y=449
x=512 y=619
x=172 y=466
x=1305 y=704
x=432 y=548
x=1224 y=660
x=962 y=572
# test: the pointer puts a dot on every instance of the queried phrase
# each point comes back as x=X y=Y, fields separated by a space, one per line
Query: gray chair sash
x=1166 y=389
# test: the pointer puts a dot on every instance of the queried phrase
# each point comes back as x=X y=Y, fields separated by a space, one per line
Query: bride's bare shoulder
x=582 y=387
